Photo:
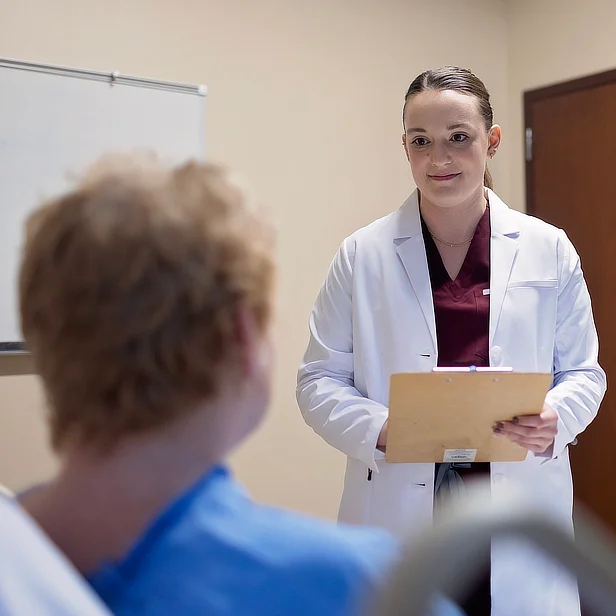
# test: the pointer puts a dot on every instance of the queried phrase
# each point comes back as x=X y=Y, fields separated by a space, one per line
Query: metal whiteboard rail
x=16 y=364
x=113 y=78
x=448 y=560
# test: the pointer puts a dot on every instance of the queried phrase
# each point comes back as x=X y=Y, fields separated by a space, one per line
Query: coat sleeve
x=326 y=394
x=579 y=381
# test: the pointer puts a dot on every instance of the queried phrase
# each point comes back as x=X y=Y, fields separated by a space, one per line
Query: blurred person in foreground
x=146 y=297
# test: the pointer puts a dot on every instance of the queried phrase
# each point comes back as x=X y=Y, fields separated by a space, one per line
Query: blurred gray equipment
x=450 y=558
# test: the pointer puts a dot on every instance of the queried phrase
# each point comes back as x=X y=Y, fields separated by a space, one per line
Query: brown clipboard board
x=448 y=416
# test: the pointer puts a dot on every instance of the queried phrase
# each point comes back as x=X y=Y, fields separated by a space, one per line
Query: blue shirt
x=214 y=551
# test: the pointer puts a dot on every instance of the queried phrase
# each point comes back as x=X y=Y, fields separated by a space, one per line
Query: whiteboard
x=55 y=121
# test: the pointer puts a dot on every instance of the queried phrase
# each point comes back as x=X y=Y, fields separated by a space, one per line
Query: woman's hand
x=533 y=432
x=382 y=440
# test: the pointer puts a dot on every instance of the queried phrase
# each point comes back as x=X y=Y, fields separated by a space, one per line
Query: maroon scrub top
x=462 y=306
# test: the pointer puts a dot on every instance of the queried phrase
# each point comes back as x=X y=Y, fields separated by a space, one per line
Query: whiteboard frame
x=14 y=357
x=113 y=78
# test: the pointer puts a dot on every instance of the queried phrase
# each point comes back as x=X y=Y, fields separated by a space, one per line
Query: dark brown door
x=571 y=183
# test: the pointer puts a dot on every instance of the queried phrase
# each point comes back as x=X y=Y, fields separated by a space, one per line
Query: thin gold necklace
x=438 y=239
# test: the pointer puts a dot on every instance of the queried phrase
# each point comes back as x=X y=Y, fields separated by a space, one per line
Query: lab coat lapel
x=412 y=252
x=503 y=250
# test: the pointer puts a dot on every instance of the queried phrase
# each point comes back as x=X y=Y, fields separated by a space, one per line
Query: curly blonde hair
x=129 y=289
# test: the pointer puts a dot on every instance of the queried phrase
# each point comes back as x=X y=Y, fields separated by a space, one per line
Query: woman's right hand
x=381 y=442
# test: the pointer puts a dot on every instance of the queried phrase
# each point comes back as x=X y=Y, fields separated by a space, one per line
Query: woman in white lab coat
x=455 y=276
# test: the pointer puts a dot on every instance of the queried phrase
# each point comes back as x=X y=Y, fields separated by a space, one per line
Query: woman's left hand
x=533 y=432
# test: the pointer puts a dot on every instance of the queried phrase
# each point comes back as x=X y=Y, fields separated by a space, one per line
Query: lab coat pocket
x=531 y=307
x=401 y=496
x=549 y=283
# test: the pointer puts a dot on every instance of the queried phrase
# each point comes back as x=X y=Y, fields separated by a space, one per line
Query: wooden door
x=571 y=183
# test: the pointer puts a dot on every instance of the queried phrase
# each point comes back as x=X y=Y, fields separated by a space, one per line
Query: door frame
x=566 y=87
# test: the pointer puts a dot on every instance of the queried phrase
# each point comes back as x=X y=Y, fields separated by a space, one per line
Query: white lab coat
x=36 y=579
x=374 y=316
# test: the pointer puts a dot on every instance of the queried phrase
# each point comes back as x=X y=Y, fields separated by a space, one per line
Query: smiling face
x=448 y=144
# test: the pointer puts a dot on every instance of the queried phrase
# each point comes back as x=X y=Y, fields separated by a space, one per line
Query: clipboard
x=448 y=415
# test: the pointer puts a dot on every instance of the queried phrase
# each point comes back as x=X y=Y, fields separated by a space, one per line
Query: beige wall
x=552 y=41
x=305 y=99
